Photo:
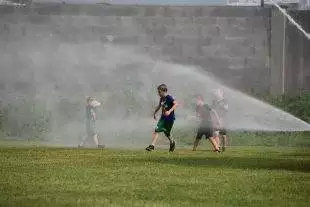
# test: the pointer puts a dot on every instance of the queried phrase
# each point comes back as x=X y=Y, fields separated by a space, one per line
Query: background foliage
x=33 y=119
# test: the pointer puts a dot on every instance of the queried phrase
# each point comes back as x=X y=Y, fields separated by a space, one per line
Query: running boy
x=91 y=132
x=221 y=107
x=166 y=121
x=208 y=118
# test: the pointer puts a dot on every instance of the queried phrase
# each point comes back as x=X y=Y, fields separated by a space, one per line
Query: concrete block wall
x=230 y=42
x=290 y=49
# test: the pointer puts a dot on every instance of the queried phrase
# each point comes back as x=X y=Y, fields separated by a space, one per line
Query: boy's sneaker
x=172 y=146
x=150 y=148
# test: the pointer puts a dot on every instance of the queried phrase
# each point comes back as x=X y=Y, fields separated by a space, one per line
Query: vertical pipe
x=262 y=2
x=269 y=33
x=283 y=54
x=301 y=55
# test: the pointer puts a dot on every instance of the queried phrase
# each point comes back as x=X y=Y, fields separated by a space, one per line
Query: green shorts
x=164 y=126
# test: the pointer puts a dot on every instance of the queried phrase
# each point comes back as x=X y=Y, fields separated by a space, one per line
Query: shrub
x=295 y=104
x=36 y=119
x=25 y=119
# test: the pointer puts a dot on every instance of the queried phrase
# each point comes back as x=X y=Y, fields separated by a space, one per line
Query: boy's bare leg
x=224 y=141
x=216 y=138
x=155 y=138
x=82 y=143
x=96 y=140
x=95 y=137
x=198 y=138
x=172 y=143
x=196 y=142
x=214 y=144
x=170 y=139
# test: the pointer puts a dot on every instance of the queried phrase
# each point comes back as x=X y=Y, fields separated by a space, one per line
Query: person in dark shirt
x=90 y=123
x=167 y=104
x=208 y=119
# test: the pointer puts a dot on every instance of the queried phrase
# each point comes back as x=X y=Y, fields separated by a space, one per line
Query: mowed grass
x=242 y=176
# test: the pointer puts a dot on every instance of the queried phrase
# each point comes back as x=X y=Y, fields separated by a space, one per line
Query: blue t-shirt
x=166 y=104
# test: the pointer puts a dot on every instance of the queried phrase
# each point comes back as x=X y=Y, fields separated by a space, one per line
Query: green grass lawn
x=243 y=176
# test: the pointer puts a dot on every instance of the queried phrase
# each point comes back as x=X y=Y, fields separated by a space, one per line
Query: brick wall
x=231 y=42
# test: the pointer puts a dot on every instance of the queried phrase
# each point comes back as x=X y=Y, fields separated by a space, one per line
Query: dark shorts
x=164 y=126
x=208 y=132
x=91 y=128
x=222 y=131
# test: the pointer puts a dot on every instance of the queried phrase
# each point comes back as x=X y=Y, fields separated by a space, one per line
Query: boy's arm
x=175 y=105
x=156 y=110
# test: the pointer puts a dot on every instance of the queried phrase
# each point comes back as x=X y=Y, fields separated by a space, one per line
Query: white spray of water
x=124 y=80
x=131 y=84
x=298 y=26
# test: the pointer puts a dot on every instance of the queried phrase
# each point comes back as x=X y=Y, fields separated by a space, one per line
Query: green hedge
x=25 y=119
x=33 y=119
x=296 y=104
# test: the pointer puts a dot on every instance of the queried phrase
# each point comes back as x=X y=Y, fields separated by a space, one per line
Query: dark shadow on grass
x=298 y=154
x=235 y=162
